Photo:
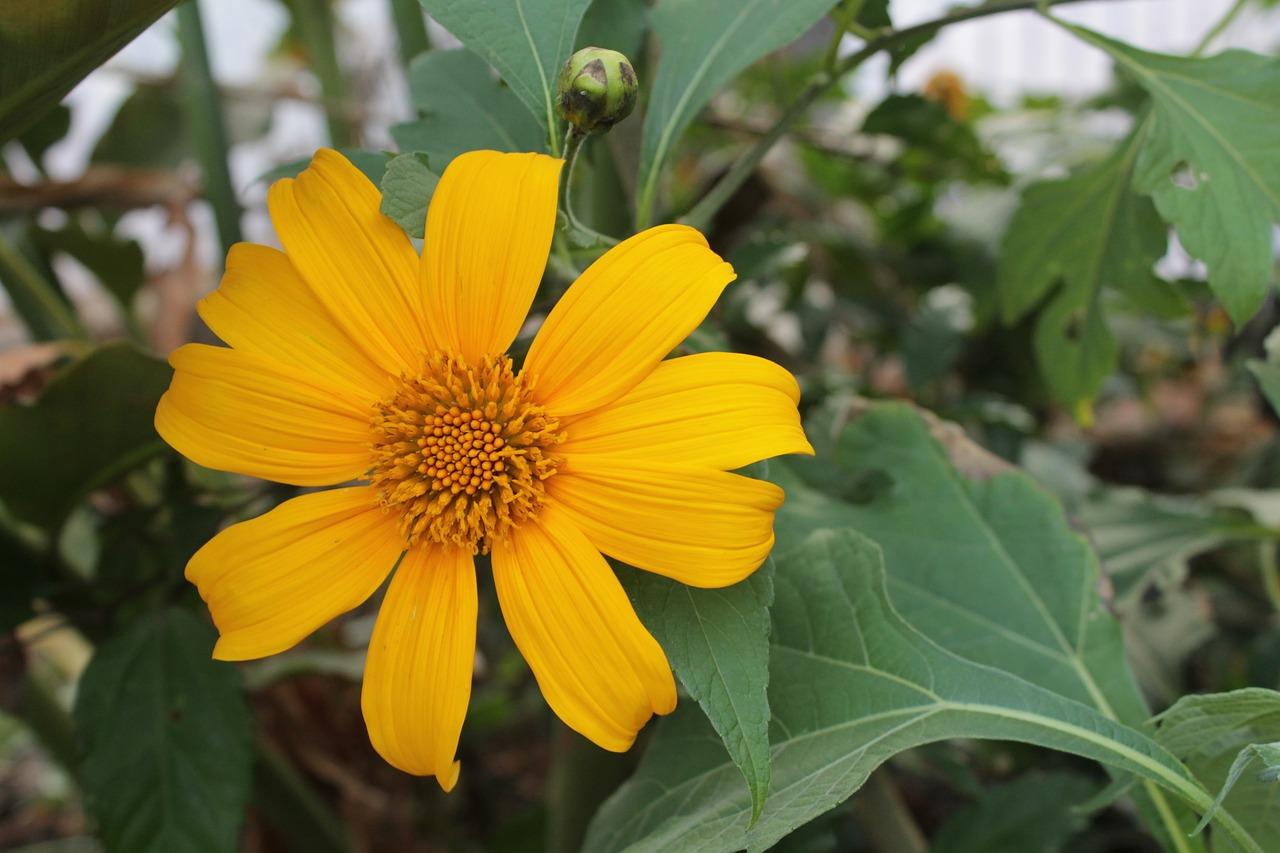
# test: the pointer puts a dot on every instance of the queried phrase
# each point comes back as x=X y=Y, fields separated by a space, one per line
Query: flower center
x=462 y=452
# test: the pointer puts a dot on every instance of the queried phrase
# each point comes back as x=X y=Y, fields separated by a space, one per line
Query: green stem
x=38 y=301
x=288 y=805
x=411 y=29
x=315 y=23
x=703 y=212
x=573 y=143
x=885 y=818
x=202 y=111
x=1270 y=572
x=1218 y=28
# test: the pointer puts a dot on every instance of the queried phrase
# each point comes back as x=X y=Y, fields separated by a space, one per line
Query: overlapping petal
x=358 y=263
x=274 y=579
x=701 y=527
x=242 y=412
x=488 y=233
x=264 y=307
x=714 y=410
x=623 y=316
x=417 y=680
x=599 y=669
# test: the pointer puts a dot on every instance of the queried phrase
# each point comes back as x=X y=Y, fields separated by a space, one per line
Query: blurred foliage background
x=877 y=247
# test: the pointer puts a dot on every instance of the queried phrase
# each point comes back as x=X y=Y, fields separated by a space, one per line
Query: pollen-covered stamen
x=462 y=452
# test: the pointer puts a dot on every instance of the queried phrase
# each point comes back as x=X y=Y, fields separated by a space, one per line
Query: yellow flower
x=351 y=358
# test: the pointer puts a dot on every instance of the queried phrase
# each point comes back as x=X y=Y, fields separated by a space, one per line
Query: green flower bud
x=596 y=89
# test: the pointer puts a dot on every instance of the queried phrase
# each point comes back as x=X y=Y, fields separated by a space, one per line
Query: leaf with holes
x=1211 y=161
x=851 y=683
x=526 y=40
x=1071 y=240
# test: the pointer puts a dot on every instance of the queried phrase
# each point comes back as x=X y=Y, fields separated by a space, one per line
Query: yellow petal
x=274 y=579
x=264 y=307
x=488 y=232
x=715 y=410
x=599 y=669
x=235 y=411
x=703 y=528
x=359 y=263
x=623 y=316
x=417 y=680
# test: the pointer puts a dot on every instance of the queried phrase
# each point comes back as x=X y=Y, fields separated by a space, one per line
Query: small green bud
x=596 y=89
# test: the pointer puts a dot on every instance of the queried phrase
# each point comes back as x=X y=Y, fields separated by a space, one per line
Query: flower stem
x=582 y=776
x=705 y=210
x=573 y=143
x=885 y=818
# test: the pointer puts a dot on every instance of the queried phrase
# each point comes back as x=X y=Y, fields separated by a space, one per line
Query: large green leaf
x=168 y=742
x=717 y=641
x=1076 y=238
x=704 y=44
x=47 y=46
x=526 y=40
x=851 y=683
x=462 y=109
x=1001 y=578
x=1211 y=161
x=1218 y=735
x=93 y=423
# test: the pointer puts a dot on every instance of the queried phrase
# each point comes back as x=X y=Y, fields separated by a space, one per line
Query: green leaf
x=704 y=44
x=617 y=25
x=1217 y=736
x=1211 y=161
x=148 y=131
x=717 y=641
x=1002 y=578
x=463 y=109
x=1268 y=375
x=47 y=46
x=117 y=262
x=526 y=40
x=851 y=684
x=407 y=186
x=1075 y=238
x=93 y=423
x=168 y=742
x=47 y=130
x=1034 y=812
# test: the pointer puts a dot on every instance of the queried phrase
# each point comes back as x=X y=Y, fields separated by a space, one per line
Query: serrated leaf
x=463 y=109
x=717 y=641
x=1076 y=238
x=526 y=40
x=1211 y=161
x=704 y=44
x=47 y=46
x=168 y=742
x=407 y=186
x=92 y=423
x=1218 y=736
x=851 y=684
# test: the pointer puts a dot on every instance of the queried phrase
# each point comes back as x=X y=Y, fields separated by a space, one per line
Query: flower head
x=354 y=361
